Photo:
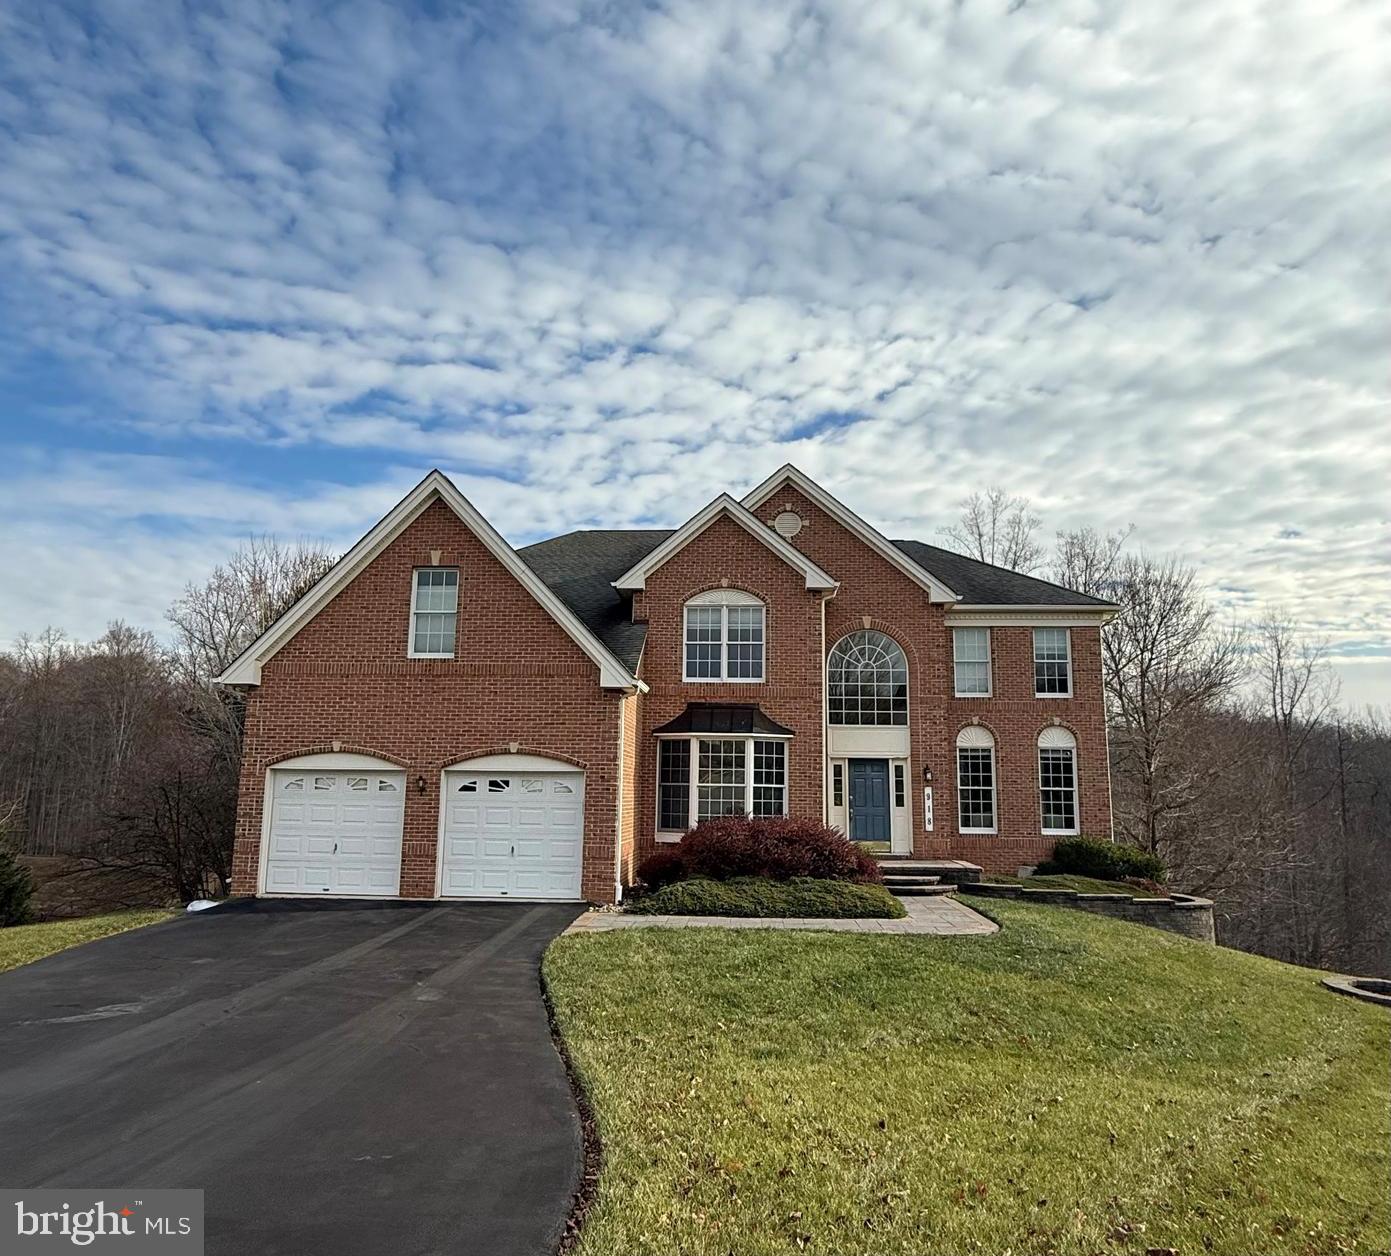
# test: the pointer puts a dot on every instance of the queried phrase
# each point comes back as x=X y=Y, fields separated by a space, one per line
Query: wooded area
x=122 y=750
x=1232 y=758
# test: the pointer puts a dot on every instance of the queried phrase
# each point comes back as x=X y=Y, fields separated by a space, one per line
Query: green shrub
x=16 y=888
x=758 y=896
x=1108 y=861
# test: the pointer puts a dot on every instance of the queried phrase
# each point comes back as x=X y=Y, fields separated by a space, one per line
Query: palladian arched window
x=867 y=680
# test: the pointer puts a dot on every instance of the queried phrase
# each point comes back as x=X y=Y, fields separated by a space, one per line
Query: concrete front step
x=951 y=869
x=903 y=878
x=919 y=891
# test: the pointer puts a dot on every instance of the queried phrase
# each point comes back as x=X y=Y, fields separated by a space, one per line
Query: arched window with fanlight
x=724 y=636
x=1057 y=781
x=975 y=780
x=867 y=680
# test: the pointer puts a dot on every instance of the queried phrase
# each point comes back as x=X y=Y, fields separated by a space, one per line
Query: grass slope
x=22 y=944
x=1071 y=1085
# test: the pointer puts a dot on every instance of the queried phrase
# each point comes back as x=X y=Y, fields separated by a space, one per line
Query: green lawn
x=22 y=944
x=1070 y=1085
x=1071 y=881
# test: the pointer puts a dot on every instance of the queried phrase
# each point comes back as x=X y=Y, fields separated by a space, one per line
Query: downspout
x=825 y=716
x=626 y=696
x=1105 y=739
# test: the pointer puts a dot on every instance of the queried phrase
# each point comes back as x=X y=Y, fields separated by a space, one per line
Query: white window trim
x=1055 y=742
x=1033 y=662
x=724 y=599
x=989 y=667
x=411 y=652
x=975 y=738
x=693 y=798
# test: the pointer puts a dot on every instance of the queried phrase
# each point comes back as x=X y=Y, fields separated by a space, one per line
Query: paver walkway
x=926 y=915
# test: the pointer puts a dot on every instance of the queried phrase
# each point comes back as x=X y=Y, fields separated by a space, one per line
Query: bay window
x=702 y=777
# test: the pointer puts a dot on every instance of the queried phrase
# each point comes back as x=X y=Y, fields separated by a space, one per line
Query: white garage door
x=513 y=835
x=335 y=833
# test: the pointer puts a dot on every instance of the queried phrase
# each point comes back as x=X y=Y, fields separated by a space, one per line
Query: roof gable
x=937 y=590
x=436 y=486
x=724 y=506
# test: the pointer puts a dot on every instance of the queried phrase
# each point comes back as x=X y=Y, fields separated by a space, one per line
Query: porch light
x=927 y=775
x=419 y=784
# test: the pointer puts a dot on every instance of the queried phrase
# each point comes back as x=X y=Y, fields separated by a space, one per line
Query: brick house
x=444 y=716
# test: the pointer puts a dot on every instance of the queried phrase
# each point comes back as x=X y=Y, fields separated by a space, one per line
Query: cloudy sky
x=261 y=266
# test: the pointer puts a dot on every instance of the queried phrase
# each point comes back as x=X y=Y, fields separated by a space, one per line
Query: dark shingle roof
x=580 y=568
x=980 y=584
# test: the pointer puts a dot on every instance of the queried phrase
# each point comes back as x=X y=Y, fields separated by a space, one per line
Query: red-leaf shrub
x=663 y=866
x=777 y=847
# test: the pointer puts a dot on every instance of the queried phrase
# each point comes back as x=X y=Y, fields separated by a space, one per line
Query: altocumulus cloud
x=266 y=263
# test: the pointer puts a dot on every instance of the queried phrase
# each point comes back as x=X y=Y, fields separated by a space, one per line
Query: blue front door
x=869 y=800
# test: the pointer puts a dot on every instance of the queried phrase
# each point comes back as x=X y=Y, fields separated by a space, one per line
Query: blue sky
x=263 y=265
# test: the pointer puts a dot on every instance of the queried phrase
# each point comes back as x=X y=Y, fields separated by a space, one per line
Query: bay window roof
x=723 y=719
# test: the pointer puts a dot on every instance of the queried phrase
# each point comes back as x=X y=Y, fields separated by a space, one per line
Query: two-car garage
x=510 y=826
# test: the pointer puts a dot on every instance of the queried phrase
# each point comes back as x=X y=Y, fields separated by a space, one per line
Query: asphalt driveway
x=338 y=1078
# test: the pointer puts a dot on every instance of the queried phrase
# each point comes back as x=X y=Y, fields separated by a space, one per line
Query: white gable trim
x=724 y=506
x=435 y=486
x=851 y=522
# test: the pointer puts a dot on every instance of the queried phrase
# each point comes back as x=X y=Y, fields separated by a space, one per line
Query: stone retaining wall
x=1183 y=914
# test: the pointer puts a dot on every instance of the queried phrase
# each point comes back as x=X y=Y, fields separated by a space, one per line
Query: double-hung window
x=1057 y=781
x=1052 y=663
x=971 y=655
x=975 y=780
x=702 y=777
x=724 y=637
x=434 y=612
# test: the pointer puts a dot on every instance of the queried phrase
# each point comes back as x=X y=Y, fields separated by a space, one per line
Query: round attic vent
x=788 y=524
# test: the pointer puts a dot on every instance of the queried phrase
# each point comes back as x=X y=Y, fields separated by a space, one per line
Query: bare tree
x=1087 y=560
x=216 y=620
x=1166 y=662
x=124 y=753
x=997 y=528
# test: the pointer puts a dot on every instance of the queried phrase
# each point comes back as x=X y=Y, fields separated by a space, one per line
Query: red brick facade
x=876 y=594
x=519 y=681
x=516 y=678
